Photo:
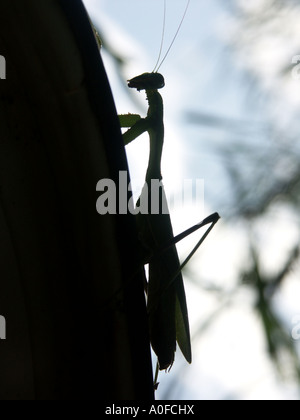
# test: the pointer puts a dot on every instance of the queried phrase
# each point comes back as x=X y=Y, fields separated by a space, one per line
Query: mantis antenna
x=162 y=36
x=158 y=66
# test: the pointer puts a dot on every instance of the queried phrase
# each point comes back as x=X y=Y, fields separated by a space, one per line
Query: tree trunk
x=70 y=290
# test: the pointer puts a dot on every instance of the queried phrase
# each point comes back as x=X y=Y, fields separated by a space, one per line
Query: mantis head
x=147 y=81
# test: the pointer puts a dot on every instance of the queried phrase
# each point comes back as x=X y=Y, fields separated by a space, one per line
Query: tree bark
x=70 y=287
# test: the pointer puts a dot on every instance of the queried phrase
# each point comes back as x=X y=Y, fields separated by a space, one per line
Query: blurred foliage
x=278 y=337
x=263 y=166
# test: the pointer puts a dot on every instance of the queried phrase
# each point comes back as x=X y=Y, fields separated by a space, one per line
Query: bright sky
x=230 y=358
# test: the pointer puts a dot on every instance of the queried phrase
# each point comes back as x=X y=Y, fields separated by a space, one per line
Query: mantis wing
x=168 y=315
x=182 y=321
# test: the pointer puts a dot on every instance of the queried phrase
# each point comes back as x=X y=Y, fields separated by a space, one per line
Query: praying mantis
x=166 y=299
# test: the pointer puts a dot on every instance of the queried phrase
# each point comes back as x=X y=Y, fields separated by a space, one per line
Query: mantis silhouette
x=166 y=300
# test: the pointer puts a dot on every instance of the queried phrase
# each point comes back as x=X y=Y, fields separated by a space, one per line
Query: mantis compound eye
x=147 y=81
